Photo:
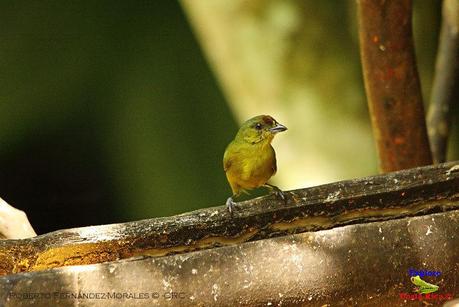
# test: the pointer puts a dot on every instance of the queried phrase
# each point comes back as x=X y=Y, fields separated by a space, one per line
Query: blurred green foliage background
x=109 y=111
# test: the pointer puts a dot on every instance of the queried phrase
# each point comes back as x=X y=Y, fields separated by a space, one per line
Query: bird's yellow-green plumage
x=249 y=160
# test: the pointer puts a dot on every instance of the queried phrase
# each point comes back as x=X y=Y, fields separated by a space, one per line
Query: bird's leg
x=275 y=190
x=230 y=204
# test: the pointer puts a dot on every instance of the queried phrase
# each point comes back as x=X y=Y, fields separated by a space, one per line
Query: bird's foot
x=230 y=204
x=277 y=192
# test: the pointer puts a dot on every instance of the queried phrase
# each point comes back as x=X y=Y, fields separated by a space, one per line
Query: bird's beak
x=278 y=128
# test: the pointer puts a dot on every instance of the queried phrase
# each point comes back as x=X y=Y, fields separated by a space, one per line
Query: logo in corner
x=424 y=291
x=422 y=286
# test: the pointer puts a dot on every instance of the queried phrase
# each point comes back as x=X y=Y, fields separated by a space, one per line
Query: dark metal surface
x=363 y=264
x=390 y=196
x=270 y=254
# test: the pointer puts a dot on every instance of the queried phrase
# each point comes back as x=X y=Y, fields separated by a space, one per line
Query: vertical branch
x=445 y=89
x=392 y=83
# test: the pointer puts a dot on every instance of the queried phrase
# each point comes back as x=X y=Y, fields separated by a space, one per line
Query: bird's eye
x=258 y=126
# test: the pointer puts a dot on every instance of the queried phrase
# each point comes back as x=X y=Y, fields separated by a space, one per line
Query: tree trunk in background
x=445 y=90
x=392 y=83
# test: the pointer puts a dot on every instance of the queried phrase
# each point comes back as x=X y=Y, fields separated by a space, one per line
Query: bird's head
x=261 y=128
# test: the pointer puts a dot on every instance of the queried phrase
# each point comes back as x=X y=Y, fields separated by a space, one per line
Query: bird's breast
x=254 y=166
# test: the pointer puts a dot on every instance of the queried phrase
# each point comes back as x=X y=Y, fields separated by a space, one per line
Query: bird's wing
x=226 y=164
x=226 y=161
x=274 y=163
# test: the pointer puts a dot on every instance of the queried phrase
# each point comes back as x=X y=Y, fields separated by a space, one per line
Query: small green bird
x=249 y=160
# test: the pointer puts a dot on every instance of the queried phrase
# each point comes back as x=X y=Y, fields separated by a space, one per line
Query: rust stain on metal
x=392 y=84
